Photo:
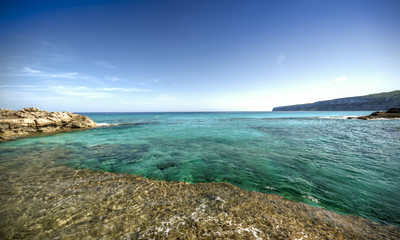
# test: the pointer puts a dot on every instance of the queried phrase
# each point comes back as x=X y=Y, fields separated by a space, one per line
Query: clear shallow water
x=349 y=166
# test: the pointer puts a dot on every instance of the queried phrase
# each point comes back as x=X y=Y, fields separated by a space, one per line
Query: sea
x=319 y=158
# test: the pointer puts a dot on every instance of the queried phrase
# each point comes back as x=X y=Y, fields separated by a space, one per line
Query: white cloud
x=340 y=79
x=280 y=58
x=104 y=64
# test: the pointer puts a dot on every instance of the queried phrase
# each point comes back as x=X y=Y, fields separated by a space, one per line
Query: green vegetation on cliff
x=372 y=102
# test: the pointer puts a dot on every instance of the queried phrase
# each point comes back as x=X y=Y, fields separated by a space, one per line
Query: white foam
x=336 y=117
x=313 y=199
x=117 y=124
x=103 y=124
x=384 y=119
x=201 y=214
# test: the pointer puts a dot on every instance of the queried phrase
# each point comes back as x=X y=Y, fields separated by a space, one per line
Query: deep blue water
x=319 y=158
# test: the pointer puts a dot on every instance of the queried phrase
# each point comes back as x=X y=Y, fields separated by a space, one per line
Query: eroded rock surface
x=15 y=124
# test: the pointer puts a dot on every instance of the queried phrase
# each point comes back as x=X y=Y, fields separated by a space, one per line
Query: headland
x=371 y=102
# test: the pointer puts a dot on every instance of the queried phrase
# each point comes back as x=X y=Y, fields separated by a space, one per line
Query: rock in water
x=393 y=113
x=15 y=124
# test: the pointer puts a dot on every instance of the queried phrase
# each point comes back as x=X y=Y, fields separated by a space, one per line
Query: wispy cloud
x=68 y=75
x=150 y=81
x=113 y=79
x=74 y=91
x=46 y=44
x=53 y=51
x=61 y=57
x=32 y=72
x=280 y=58
x=81 y=91
x=104 y=64
x=125 y=90
x=23 y=88
x=340 y=79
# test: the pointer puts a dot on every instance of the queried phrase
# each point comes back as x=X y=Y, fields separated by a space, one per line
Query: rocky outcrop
x=372 y=102
x=393 y=113
x=15 y=124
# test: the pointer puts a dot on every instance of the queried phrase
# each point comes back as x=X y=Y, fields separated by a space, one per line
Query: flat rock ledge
x=393 y=113
x=29 y=121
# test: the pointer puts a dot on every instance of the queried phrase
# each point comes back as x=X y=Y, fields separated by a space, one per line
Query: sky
x=194 y=55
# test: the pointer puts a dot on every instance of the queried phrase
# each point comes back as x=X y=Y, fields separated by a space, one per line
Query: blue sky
x=195 y=55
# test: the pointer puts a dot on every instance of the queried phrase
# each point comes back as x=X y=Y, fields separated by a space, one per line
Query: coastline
x=41 y=199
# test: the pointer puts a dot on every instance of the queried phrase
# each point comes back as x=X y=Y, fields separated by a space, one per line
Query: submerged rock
x=15 y=124
x=41 y=199
x=393 y=113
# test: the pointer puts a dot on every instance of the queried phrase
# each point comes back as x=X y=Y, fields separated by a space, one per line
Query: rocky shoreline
x=29 y=121
x=393 y=113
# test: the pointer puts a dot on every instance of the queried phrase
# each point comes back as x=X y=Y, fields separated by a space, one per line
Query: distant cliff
x=372 y=102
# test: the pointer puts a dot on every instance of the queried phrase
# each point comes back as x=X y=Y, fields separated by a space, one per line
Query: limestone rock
x=15 y=124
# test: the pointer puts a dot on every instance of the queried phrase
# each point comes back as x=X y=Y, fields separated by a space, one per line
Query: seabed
x=40 y=199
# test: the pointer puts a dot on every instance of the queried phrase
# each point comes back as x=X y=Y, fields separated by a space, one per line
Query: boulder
x=15 y=124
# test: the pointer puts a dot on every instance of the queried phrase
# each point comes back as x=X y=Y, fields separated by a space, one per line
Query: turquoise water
x=319 y=158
